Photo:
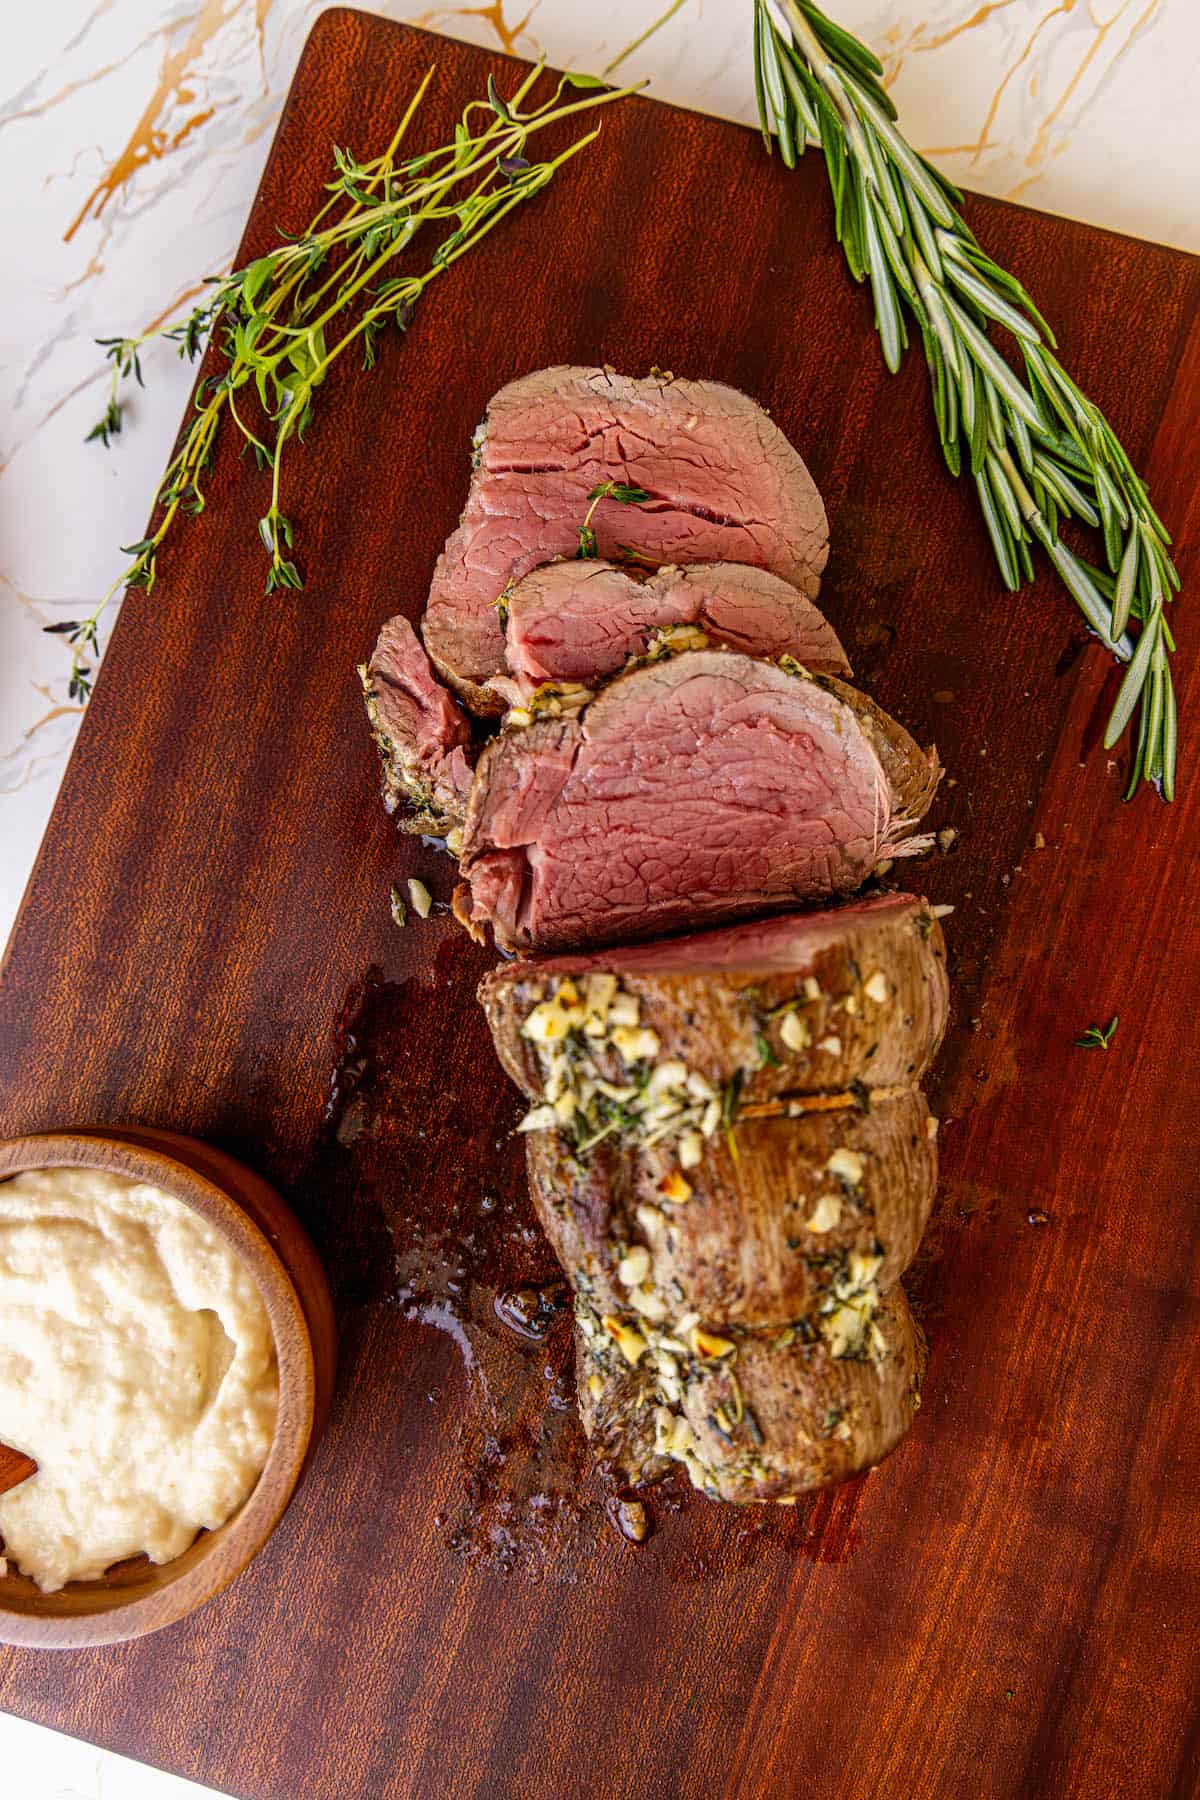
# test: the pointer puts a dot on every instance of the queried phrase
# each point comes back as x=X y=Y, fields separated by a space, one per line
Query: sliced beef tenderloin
x=766 y=1227
x=809 y=1003
x=423 y=737
x=701 y=788
x=724 y=485
x=582 y=621
x=730 y=1154
x=752 y=1415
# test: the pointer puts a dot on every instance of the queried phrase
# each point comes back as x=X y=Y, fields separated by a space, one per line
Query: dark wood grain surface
x=1008 y=1607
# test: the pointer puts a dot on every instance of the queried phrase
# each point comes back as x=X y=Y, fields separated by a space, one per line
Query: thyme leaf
x=622 y=493
x=278 y=326
x=1098 y=1037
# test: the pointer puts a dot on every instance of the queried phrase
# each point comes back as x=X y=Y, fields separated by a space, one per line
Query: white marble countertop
x=133 y=133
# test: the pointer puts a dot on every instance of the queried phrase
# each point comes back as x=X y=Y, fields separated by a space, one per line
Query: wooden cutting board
x=1008 y=1607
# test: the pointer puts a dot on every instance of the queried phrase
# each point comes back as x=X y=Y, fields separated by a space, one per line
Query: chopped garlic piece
x=875 y=987
x=595 y=1386
x=650 y=1305
x=832 y=1043
x=795 y=1032
x=842 y=1330
x=674 y=1188
x=672 y=1435
x=863 y=1268
x=626 y=1009
x=612 y=1092
x=634 y=1044
x=931 y=1127
x=812 y=988
x=826 y=1214
x=546 y=1024
x=539 y=1118
x=601 y=990
x=669 y=1074
x=634 y=1267
x=707 y=1344
x=422 y=899
x=629 y=1342
x=691 y=1149
x=847 y=1165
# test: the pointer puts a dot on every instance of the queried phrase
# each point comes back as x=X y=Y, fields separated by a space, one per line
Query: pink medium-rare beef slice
x=694 y=790
x=724 y=485
x=423 y=736
x=581 y=621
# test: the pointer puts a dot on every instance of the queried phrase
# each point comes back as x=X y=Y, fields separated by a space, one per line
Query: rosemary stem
x=1039 y=451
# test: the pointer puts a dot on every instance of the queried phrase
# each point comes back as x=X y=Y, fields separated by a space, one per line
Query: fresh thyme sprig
x=1098 y=1037
x=1038 y=449
x=622 y=493
x=281 y=323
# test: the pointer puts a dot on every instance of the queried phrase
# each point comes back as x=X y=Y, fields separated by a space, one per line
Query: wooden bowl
x=136 y=1597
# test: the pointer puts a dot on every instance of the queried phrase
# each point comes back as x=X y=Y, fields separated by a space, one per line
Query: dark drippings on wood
x=457 y=1276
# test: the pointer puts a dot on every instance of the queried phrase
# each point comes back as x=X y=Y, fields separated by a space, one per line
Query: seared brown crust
x=820 y=1418
x=913 y=779
x=744 y=1249
x=616 y=1406
x=715 y=1020
x=739 y=1310
x=423 y=738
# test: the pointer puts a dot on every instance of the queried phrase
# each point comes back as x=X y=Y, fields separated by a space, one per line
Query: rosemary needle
x=1039 y=451
x=280 y=324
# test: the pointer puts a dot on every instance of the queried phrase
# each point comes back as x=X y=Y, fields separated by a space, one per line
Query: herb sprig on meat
x=282 y=323
x=1038 y=449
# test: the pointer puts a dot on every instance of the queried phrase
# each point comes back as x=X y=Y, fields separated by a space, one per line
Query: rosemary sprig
x=282 y=322
x=1098 y=1037
x=1038 y=450
x=622 y=493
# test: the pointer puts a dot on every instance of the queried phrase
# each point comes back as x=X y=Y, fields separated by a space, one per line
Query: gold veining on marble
x=148 y=140
x=917 y=41
x=1063 y=6
x=1038 y=150
x=56 y=712
x=492 y=14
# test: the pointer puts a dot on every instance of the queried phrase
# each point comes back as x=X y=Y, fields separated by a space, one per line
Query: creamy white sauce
x=137 y=1367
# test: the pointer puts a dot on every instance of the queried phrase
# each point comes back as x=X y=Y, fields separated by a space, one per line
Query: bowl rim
x=247 y=1529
